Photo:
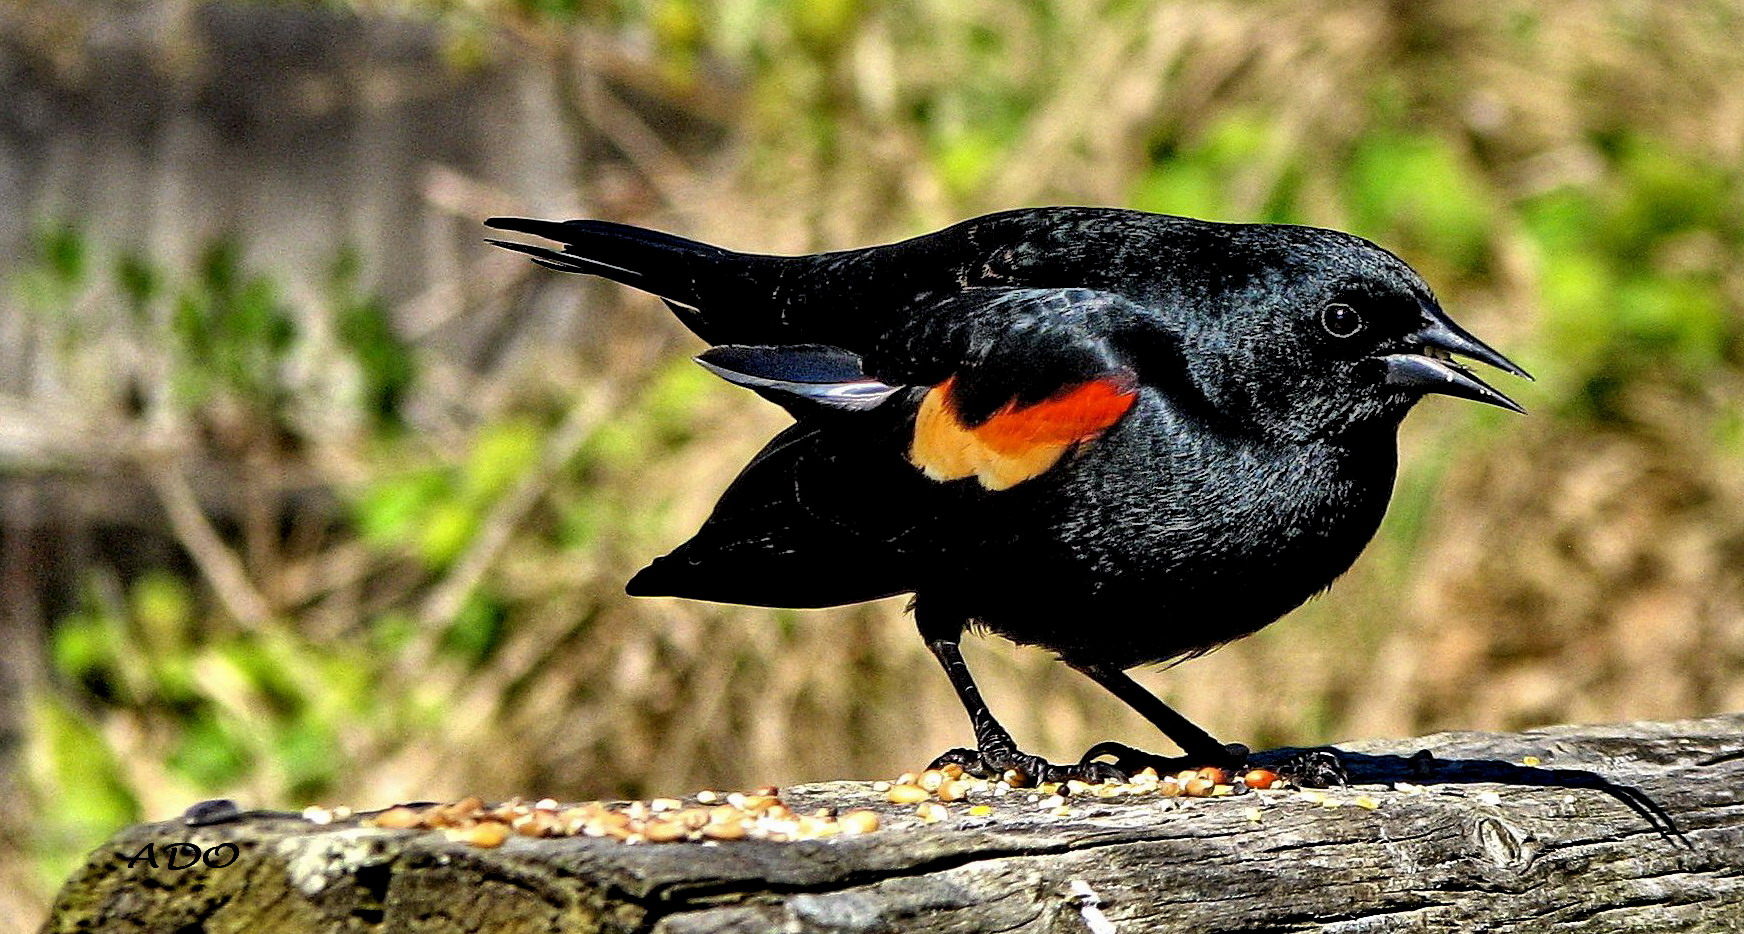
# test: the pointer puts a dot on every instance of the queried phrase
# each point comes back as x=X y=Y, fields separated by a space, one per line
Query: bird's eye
x=1340 y=320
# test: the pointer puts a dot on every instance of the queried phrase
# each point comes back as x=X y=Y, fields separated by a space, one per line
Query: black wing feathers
x=799 y=377
x=808 y=523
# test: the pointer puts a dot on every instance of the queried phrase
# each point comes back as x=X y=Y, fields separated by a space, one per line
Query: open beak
x=1435 y=370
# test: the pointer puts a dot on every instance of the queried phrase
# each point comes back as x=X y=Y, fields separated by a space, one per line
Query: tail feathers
x=672 y=267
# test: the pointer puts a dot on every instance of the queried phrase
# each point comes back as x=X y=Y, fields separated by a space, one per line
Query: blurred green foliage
x=1635 y=271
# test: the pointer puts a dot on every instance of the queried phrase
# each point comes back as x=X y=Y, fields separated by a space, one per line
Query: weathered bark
x=1631 y=827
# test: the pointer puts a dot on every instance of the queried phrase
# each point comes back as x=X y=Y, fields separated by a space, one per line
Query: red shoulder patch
x=1017 y=442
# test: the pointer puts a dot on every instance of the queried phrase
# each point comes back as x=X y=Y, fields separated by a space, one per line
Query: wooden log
x=1617 y=828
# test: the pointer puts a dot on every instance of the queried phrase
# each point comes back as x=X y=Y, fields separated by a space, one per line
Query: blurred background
x=307 y=495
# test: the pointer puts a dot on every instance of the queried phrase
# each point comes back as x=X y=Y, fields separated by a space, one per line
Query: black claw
x=968 y=759
x=1315 y=768
x=994 y=763
x=1130 y=760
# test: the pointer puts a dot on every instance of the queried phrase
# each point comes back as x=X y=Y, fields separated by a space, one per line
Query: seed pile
x=933 y=789
x=760 y=815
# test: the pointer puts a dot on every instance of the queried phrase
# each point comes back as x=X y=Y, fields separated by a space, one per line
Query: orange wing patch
x=1016 y=443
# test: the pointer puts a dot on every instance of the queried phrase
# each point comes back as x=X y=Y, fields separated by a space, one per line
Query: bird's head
x=1313 y=332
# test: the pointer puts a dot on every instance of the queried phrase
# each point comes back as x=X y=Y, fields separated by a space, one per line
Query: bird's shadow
x=1423 y=768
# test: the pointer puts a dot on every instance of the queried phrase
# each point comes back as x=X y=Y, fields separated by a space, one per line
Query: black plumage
x=1125 y=437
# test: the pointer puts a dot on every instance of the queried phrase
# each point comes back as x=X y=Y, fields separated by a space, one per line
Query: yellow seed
x=813 y=828
x=1253 y=814
x=694 y=818
x=730 y=830
x=538 y=824
x=487 y=835
x=1222 y=791
x=1062 y=811
x=981 y=810
x=1367 y=802
x=398 y=817
x=907 y=794
x=954 y=790
x=860 y=821
x=1531 y=760
x=665 y=831
x=723 y=813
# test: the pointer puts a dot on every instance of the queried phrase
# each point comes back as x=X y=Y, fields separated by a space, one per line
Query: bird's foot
x=1024 y=770
x=1130 y=760
x=1315 y=768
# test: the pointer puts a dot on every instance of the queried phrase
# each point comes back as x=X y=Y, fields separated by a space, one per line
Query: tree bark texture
x=1634 y=827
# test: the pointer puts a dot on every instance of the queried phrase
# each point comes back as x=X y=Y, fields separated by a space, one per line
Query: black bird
x=1128 y=438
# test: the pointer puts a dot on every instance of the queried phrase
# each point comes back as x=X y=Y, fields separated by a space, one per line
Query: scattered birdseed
x=1253 y=814
x=1364 y=801
x=861 y=821
x=488 y=836
x=1531 y=760
x=981 y=810
x=932 y=812
x=1260 y=778
x=907 y=794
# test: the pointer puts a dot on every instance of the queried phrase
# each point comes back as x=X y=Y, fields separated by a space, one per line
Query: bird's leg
x=996 y=753
x=1200 y=748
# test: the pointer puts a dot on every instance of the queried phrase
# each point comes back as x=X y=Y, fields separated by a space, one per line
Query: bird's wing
x=1020 y=378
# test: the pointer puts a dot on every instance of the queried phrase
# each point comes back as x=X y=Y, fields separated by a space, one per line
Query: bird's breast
x=1191 y=536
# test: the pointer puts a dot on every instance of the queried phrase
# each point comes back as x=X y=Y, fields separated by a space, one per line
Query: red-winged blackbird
x=1128 y=438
